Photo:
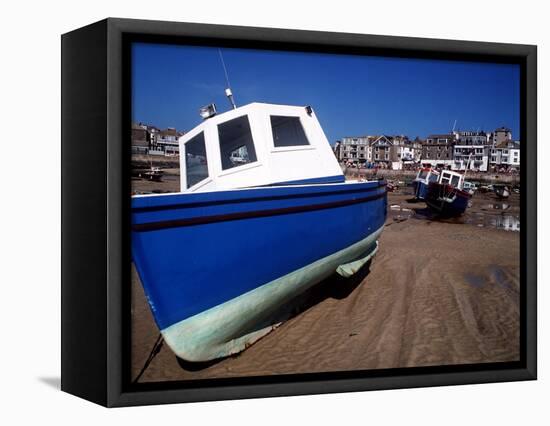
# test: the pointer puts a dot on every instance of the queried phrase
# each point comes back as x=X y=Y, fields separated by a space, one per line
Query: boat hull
x=420 y=189
x=232 y=326
x=216 y=267
x=447 y=200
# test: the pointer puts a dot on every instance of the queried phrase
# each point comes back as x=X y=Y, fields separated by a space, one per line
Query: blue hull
x=420 y=189
x=454 y=205
x=198 y=252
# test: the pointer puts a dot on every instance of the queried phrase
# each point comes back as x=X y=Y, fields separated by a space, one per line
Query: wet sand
x=436 y=293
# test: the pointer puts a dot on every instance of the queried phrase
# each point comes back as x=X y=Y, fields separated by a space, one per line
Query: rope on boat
x=156 y=349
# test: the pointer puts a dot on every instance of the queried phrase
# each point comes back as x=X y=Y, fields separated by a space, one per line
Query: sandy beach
x=436 y=293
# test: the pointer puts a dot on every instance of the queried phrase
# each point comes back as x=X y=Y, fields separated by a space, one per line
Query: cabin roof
x=452 y=172
x=237 y=112
x=250 y=106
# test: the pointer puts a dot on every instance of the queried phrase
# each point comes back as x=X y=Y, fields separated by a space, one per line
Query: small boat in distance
x=470 y=187
x=264 y=213
x=486 y=188
x=423 y=178
x=447 y=196
x=154 y=174
x=501 y=191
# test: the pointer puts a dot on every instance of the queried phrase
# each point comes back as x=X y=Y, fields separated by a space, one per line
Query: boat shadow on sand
x=333 y=287
x=427 y=214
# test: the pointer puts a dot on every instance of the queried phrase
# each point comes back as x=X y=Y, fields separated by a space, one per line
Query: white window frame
x=217 y=149
x=209 y=164
x=309 y=137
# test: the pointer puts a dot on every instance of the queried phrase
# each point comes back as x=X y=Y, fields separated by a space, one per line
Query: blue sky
x=351 y=95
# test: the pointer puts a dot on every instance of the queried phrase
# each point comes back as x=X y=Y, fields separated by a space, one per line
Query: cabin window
x=236 y=143
x=455 y=180
x=287 y=131
x=196 y=164
x=445 y=178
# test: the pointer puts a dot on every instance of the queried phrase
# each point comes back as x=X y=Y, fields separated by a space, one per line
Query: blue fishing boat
x=422 y=181
x=264 y=213
x=447 y=196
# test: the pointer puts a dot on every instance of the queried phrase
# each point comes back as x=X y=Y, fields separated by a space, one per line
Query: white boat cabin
x=427 y=175
x=447 y=177
x=454 y=179
x=256 y=145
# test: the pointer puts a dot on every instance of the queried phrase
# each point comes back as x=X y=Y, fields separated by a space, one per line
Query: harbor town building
x=354 y=150
x=500 y=135
x=141 y=139
x=438 y=150
x=384 y=151
x=505 y=156
x=166 y=141
x=457 y=150
x=471 y=151
x=151 y=140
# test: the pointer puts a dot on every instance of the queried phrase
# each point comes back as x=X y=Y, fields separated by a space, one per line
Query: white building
x=407 y=150
x=471 y=157
x=471 y=151
x=505 y=155
x=166 y=141
x=355 y=150
x=471 y=138
x=404 y=151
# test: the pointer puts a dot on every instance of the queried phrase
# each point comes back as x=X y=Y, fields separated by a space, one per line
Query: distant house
x=383 y=152
x=438 y=149
x=140 y=139
x=469 y=137
x=500 y=135
x=406 y=151
x=505 y=155
x=417 y=144
x=471 y=151
x=459 y=150
x=354 y=149
x=468 y=157
x=167 y=141
x=151 y=140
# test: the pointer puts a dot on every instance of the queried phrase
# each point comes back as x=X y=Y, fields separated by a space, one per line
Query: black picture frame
x=95 y=211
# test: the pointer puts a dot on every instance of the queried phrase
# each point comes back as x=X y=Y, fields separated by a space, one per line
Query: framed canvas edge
x=83 y=213
x=117 y=395
x=316 y=387
x=530 y=207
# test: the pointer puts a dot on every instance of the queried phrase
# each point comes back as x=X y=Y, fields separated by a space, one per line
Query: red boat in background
x=447 y=196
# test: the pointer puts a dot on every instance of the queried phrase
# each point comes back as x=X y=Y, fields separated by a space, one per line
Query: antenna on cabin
x=228 y=91
x=454 y=125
